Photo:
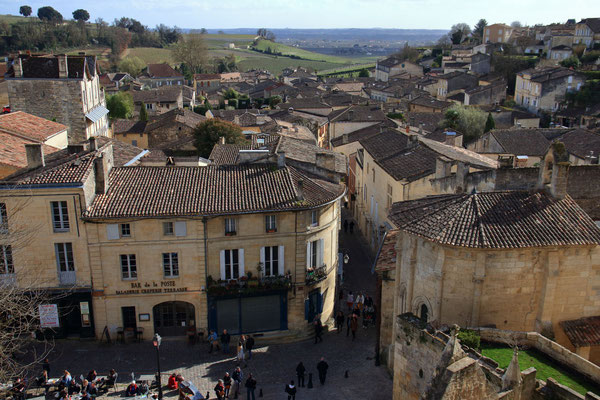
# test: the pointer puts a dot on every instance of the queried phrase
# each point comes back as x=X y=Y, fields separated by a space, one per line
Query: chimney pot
x=221 y=139
x=93 y=144
x=450 y=138
x=35 y=155
x=63 y=68
x=413 y=140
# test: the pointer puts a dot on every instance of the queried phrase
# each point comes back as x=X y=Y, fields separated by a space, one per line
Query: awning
x=97 y=113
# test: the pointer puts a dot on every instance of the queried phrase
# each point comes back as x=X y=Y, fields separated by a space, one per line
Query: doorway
x=173 y=318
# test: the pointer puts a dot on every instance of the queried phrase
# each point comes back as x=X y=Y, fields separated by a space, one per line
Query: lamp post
x=156 y=342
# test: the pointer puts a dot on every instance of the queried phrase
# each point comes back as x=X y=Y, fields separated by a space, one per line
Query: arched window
x=424 y=313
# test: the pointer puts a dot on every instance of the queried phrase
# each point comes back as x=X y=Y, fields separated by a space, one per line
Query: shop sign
x=49 y=316
x=153 y=288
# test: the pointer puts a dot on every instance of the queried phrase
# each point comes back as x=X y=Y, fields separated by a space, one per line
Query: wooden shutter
x=320 y=249
x=112 y=231
x=262 y=260
x=222 y=260
x=180 y=228
x=241 y=260
x=308 y=255
x=280 y=260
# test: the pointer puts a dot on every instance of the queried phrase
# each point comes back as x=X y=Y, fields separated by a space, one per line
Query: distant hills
x=351 y=34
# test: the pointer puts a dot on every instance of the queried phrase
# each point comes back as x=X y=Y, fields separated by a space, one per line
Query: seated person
x=65 y=380
x=63 y=395
x=172 y=382
x=42 y=380
x=179 y=378
x=131 y=390
x=73 y=387
x=18 y=389
x=110 y=380
x=143 y=388
x=91 y=389
x=85 y=396
x=92 y=375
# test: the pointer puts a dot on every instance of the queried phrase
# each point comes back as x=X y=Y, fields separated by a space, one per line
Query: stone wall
x=546 y=346
x=53 y=99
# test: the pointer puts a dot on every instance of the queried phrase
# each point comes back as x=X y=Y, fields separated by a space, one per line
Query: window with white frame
x=128 y=266
x=271 y=260
x=60 y=216
x=64 y=257
x=3 y=218
x=171 y=265
x=271 y=223
x=6 y=260
x=230 y=226
x=314 y=254
x=314 y=218
x=232 y=261
x=168 y=229
x=125 y=230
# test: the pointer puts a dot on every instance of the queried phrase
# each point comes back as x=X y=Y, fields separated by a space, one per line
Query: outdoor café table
x=5 y=387
x=146 y=378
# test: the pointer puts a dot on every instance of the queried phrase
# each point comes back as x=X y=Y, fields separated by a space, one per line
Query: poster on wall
x=49 y=316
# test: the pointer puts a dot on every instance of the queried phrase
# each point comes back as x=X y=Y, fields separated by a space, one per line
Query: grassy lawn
x=546 y=367
x=276 y=64
x=350 y=68
x=151 y=55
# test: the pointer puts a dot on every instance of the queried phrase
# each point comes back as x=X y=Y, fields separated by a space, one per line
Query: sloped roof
x=502 y=220
x=140 y=192
x=162 y=71
x=12 y=150
x=363 y=133
x=46 y=66
x=583 y=332
x=161 y=95
x=528 y=142
x=358 y=114
x=30 y=126
x=581 y=142
x=592 y=23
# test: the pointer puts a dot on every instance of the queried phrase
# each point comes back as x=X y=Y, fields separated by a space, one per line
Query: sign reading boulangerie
x=49 y=316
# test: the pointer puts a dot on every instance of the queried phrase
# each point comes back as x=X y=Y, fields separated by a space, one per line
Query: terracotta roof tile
x=162 y=71
x=29 y=126
x=138 y=192
x=516 y=219
x=583 y=331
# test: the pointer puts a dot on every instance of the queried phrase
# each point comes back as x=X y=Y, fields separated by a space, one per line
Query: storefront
x=173 y=318
x=248 y=313
x=68 y=314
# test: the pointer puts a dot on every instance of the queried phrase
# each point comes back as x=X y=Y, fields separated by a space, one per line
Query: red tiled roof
x=386 y=259
x=140 y=192
x=162 y=71
x=29 y=126
x=515 y=219
x=12 y=150
x=583 y=331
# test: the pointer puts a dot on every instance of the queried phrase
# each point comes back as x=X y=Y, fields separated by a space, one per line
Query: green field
x=13 y=19
x=215 y=41
x=546 y=368
x=286 y=50
x=150 y=55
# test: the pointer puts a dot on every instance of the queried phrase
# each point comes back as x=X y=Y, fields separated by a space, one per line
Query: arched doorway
x=173 y=318
x=424 y=313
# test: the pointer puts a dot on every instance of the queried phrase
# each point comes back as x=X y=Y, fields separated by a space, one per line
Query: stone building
x=61 y=88
x=391 y=66
x=158 y=101
x=174 y=250
x=508 y=259
x=158 y=75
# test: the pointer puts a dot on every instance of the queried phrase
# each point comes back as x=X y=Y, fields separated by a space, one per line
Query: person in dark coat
x=249 y=345
x=318 y=330
x=322 y=367
x=339 y=321
x=225 y=339
x=351 y=226
x=300 y=371
x=291 y=391
x=345 y=226
x=251 y=386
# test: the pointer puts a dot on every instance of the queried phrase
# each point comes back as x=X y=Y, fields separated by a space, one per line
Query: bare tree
x=22 y=291
x=516 y=24
x=191 y=51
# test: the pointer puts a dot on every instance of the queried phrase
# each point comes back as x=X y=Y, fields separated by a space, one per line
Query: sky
x=320 y=14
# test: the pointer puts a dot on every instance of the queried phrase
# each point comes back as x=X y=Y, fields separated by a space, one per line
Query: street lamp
x=156 y=342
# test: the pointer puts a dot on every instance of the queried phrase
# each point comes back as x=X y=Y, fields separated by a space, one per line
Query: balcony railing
x=248 y=285
x=67 y=278
x=315 y=275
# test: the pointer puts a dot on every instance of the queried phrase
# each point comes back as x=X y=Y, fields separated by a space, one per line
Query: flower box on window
x=230 y=233
x=271 y=230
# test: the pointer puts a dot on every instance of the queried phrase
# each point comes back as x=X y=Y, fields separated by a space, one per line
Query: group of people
x=245 y=343
x=90 y=387
x=231 y=385
x=348 y=225
x=357 y=306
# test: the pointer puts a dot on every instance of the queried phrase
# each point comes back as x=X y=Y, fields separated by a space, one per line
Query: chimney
x=221 y=139
x=100 y=172
x=63 y=68
x=450 y=138
x=236 y=119
x=462 y=170
x=281 y=159
x=300 y=189
x=35 y=155
x=326 y=161
x=345 y=138
x=93 y=145
x=18 y=67
x=442 y=168
x=558 y=185
x=413 y=141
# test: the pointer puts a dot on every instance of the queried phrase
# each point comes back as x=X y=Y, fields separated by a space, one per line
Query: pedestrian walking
x=249 y=345
x=214 y=341
x=227 y=384
x=345 y=226
x=359 y=301
x=237 y=377
x=322 y=367
x=250 y=386
x=225 y=339
x=348 y=321
x=318 y=329
x=339 y=321
x=291 y=391
x=351 y=227
x=368 y=301
x=300 y=371
x=354 y=326
x=350 y=300
x=240 y=350
x=220 y=390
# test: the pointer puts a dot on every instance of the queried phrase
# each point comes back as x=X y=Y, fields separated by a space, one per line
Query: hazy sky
x=432 y=14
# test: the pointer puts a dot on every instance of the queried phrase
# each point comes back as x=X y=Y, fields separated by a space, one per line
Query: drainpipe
x=204 y=222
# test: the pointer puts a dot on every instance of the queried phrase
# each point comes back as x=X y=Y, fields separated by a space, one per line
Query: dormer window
x=271 y=223
x=125 y=230
x=230 y=227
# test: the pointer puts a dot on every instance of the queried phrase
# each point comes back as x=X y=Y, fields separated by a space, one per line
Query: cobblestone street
x=272 y=365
